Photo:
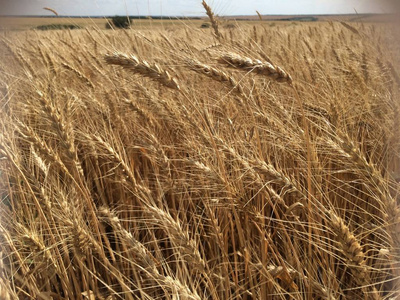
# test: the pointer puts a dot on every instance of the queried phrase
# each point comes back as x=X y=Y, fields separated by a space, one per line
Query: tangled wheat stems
x=186 y=194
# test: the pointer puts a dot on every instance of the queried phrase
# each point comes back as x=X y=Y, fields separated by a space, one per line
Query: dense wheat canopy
x=235 y=162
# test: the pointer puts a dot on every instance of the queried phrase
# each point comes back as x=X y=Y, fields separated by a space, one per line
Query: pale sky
x=189 y=7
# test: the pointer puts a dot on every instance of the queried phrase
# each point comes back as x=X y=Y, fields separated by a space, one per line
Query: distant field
x=27 y=23
x=346 y=17
x=24 y=23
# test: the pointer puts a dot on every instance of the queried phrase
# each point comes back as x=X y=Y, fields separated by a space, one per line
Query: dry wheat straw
x=142 y=67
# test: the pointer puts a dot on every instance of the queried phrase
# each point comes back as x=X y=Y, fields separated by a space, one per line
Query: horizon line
x=191 y=16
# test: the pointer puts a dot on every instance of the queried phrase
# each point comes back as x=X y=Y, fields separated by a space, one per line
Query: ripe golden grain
x=232 y=188
x=256 y=66
x=144 y=68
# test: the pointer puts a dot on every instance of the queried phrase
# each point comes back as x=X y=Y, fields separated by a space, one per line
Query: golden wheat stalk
x=255 y=65
x=142 y=67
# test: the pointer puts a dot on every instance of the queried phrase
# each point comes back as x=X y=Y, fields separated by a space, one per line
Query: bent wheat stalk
x=142 y=67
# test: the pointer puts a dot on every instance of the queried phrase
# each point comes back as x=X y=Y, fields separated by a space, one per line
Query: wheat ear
x=79 y=74
x=180 y=238
x=5 y=283
x=142 y=67
x=256 y=65
x=213 y=20
x=213 y=73
x=372 y=175
x=40 y=145
x=349 y=27
x=146 y=259
x=354 y=254
x=52 y=10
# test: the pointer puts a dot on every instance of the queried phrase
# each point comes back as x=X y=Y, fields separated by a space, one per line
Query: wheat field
x=232 y=162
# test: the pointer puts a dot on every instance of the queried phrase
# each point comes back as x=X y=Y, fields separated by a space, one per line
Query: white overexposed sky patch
x=189 y=7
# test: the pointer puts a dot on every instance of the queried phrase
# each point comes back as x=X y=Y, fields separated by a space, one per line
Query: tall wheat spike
x=213 y=19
